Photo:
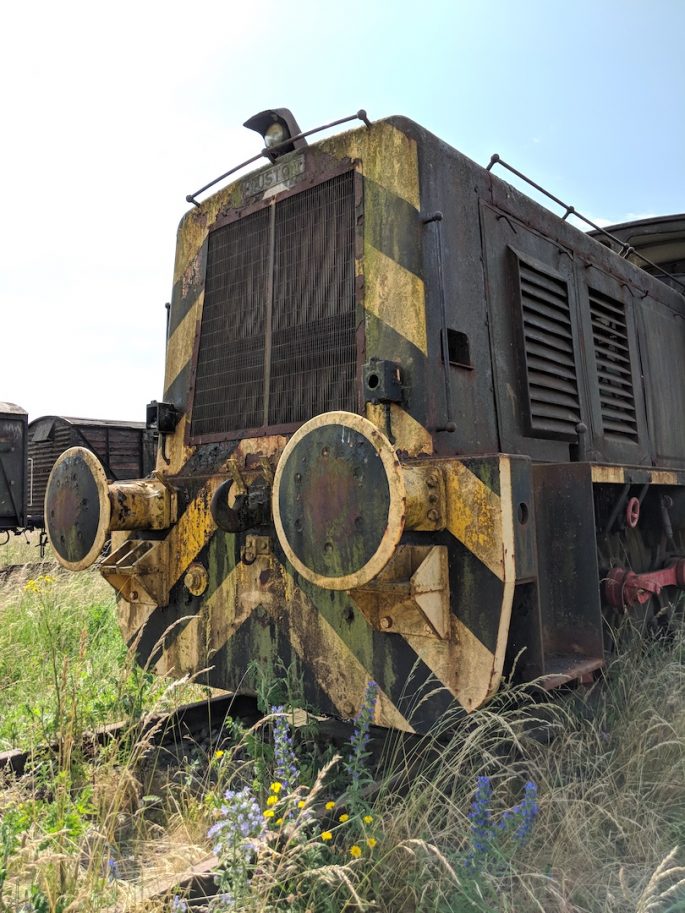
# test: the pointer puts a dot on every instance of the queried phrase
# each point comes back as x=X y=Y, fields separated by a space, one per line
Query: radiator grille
x=550 y=359
x=277 y=341
x=229 y=381
x=614 y=374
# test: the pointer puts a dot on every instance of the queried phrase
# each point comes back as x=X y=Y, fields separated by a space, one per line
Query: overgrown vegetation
x=492 y=817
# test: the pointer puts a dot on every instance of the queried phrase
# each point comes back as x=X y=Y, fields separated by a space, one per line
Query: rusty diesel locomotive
x=416 y=429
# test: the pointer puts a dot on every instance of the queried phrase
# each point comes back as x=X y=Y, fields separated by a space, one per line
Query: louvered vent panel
x=550 y=359
x=614 y=373
x=266 y=366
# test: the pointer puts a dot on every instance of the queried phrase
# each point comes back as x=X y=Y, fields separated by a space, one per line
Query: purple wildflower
x=486 y=837
x=360 y=735
x=526 y=812
x=480 y=816
x=287 y=771
x=112 y=868
x=240 y=825
x=178 y=905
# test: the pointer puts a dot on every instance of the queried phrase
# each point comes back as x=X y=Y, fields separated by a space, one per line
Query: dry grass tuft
x=99 y=834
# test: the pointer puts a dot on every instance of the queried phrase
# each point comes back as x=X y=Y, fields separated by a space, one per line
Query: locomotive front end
x=307 y=509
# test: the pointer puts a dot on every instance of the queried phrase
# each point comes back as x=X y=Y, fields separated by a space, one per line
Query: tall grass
x=95 y=833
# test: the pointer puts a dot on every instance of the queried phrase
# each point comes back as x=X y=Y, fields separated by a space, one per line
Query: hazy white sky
x=113 y=112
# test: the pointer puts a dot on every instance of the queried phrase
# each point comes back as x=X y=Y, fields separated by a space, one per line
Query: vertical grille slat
x=614 y=374
x=303 y=346
x=550 y=357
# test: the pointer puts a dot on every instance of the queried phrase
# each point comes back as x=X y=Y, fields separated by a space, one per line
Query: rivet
x=433 y=515
x=386 y=622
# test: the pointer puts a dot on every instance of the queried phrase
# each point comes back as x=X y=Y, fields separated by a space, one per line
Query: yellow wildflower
x=367 y=819
x=269 y=813
x=218 y=754
x=329 y=806
x=371 y=842
x=276 y=788
x=31 y=586
x=344 y=818
x=327 y=835
x=279 y=821
x=301 y=803
x=355 y=851
x=272 y=800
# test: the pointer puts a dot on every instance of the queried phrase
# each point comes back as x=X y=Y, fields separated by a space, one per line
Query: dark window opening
x=458 y=349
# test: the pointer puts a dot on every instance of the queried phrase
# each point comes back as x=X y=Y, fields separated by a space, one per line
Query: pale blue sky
x=113 y=113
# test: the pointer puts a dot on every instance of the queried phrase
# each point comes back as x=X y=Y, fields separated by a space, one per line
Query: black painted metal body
x=13 y=434
x=497 y=243
x=568 y=353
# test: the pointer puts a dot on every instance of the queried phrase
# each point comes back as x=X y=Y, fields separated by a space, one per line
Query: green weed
x=95 y=832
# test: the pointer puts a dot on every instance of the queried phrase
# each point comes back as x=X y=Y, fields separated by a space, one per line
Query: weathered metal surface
x=236 y=507
x=139 y=572
x=426 y=493
x=13 y=432
x=82 y=507
x=196 y=579
x=77 y=508
x=411 y=595
x=623 y=587
x=568 y=573
x=339 y=500
x=141 y=504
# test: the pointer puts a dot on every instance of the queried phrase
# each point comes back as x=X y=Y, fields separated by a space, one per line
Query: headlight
x=275 y=134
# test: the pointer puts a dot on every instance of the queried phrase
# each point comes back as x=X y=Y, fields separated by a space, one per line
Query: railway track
x=199 y=722
x=26 y=570
x=189 y=722
x=174 y=733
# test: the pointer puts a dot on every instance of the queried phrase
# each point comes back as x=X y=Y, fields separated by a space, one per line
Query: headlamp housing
x=276 y=126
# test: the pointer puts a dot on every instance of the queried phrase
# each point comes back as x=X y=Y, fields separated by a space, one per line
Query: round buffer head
x=339 y=501
x=77 y=509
